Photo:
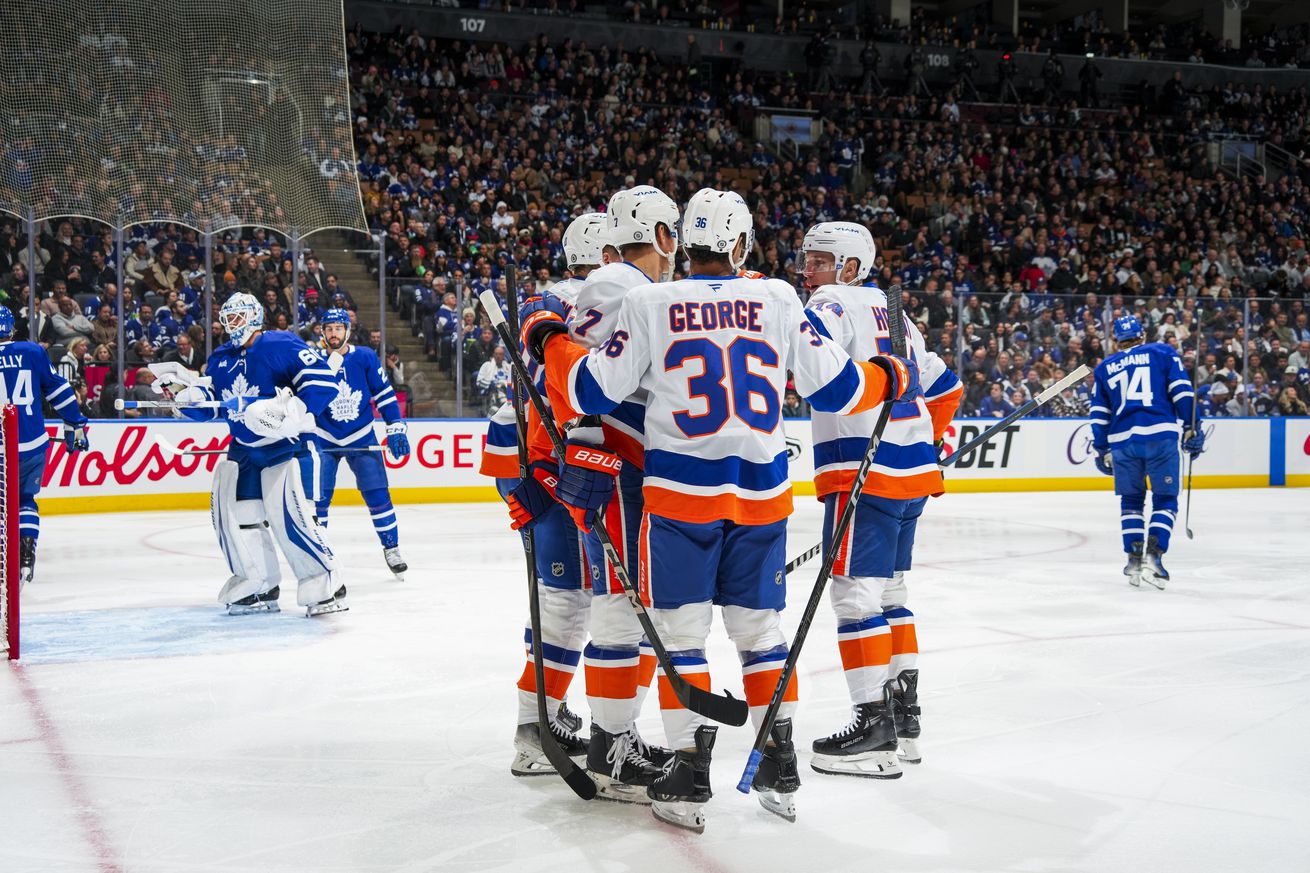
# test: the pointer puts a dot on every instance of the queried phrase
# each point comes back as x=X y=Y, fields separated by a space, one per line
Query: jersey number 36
x=742 y=396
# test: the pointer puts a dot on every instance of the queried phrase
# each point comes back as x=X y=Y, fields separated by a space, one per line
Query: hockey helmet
x=241 y=316
x=843 y=240
x=6 y=323
x=715 y=221
x=1127 y=327
x=335 y=316
x=584 y=238
x=634 y=213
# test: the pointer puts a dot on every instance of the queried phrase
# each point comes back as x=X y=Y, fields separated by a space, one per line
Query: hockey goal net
x=9 y=532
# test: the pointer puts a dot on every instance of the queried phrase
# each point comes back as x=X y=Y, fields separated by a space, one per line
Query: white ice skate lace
x=627 y=747
x=851 y=728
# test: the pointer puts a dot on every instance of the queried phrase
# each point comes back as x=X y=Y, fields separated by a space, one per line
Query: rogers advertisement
x=128 y=464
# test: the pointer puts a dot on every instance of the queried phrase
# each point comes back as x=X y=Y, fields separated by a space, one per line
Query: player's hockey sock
x=679 y=723
x=384 y=522
x=905 y=644
x=645 y=673
x=29 y=522
x=866 y=652
x=1132 y=523
x=612 y=676
x=1163 y=512
x=559 y=663
x=760 y=672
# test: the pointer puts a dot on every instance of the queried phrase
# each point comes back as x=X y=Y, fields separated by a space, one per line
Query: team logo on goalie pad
x=557 y=568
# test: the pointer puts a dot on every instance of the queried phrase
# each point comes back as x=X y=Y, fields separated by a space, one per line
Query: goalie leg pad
x=291 y=519
x=243 y=537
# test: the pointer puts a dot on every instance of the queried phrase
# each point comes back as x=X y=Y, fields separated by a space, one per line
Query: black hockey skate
x=252 y=603
x=620 y=766
x=395 y=563
x=778 y=779
x=530 y=760
x=1153 y=571
x=903 y=692
x=26 y=560
x=1133 y=569
x=866 y=747
x=568 y=717
x=335 y=603
x=679 y=796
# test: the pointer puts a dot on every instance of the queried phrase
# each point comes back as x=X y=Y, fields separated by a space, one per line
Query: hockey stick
x=569 y=771
x=896 y=327
x=802 y=558
x=236 y=403
x=1196 y=401
x=177 y=451
x=1045 y=397
x=725 y=708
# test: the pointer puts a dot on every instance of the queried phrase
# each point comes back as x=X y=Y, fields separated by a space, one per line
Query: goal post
x=9 y=532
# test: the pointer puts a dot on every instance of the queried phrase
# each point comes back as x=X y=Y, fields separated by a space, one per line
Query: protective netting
x=225 y=111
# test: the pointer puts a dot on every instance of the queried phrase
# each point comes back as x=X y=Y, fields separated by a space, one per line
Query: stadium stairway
x=431 y=392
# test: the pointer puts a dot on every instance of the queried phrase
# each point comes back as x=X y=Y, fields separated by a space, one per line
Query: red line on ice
x=93 y=829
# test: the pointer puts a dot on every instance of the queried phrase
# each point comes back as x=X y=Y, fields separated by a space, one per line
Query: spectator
x=186 y=354
x=142 y=391
x=493 y=381
x=1290 y=404
x=68 y=324
x=72 y=364
x=995 y=404
x=792 y=407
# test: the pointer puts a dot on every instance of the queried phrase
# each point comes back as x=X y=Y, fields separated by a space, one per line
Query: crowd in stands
x=1017 y=234
x=163 y=300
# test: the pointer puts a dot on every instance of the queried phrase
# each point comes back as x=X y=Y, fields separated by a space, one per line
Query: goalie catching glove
x=586 y=481
x=283 y=417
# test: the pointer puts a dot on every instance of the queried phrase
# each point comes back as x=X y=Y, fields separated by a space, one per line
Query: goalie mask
x=242 y=317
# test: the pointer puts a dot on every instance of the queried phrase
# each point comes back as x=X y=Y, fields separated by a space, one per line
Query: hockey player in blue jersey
x=1141 y=401
x=26 y=378
x=259 y=495
x=345 y=432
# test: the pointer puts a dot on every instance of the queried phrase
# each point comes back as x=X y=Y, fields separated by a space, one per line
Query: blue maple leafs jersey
x=27 y=378
x=1140 y=394
x=360 y=383
x=276 y=359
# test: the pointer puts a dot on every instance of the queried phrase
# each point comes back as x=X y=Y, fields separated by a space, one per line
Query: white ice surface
x=1071 y=723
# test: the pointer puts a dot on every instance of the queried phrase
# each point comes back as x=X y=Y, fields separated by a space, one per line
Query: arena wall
x=127 y=470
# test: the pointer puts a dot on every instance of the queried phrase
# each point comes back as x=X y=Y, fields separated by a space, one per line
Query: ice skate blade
x=869 y=765
x=680 y=813
x=907 y=750
x=609 y=788
x=327 y=608
x=781 y=805
x=253 y=608
x=24 y=576
x=1134 y=579
x=1157 y=582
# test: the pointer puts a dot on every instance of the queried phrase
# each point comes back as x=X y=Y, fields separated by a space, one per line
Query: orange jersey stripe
x=540 y=447
x=646 y=670
x=669 y=700
x=942 y=410
x=896 y=487
x=874 y=650
x=760 y=686
x=499 y=466
x=875 y=387
x=557 y=681
x=612 y=683
x=561 y=355
x=627 y=448
x=904 y=640
x=705 y=508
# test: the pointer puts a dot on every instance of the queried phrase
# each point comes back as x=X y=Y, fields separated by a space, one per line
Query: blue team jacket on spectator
x=27 y=378
x=277 y=359
x=360 y=383
x=1140 y=394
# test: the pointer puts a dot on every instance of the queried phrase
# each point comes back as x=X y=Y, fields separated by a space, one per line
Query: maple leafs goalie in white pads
x=258 y=493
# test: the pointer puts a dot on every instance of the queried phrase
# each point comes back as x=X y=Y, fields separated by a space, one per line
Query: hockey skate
x=530 y=760
x=679 y=796
x=903 y=692
x=1153 y=571
x=620 y=765
x=395 y=563
x=778 y=778
x=568 y=717
x=253 y=603
x=335 y=603
x=26 y=560
x=1133 y=569
x=866 y=747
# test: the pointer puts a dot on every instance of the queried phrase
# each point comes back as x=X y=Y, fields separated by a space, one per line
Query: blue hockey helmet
x=1127 y=327
x=6 y=323
x=335 y=316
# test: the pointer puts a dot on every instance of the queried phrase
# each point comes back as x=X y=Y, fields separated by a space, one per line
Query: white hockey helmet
x=715 y=221
x=584 y=238
x=634 y=213
x=843 y=240
x=241 y=316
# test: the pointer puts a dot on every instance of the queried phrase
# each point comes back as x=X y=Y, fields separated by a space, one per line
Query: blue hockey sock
x=384 y=518
x=1132 y=521
x=1164 y=509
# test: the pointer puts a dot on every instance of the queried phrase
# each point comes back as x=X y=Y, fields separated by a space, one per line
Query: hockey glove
x=541 y=318
x=902 y=376
x=532 y=496
x=1193 y=443
x=397 y=441
x=586 y=481
x=171 y=378
x=1105 y=462
x=282 y=417
x=75 y=437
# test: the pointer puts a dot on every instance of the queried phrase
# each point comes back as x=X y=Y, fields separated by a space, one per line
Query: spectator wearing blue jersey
x=994 y=405
x=1141 y=401
x=27 y=380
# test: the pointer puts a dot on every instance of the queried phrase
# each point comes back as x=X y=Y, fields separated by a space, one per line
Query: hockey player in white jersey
x=713 y=352
x=875 y=630
x=258 y=492
x=345 y=433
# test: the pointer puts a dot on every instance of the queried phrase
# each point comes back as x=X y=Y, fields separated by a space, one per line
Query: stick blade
x=724 y=708
x=492 y=305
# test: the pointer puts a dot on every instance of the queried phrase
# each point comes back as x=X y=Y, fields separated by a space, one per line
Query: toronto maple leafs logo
x=346 y=406
x=240 y=388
